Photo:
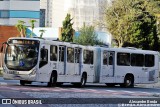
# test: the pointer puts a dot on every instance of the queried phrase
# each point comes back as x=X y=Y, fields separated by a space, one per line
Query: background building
x=89 y=12
x=47 y=5
x=13 y=10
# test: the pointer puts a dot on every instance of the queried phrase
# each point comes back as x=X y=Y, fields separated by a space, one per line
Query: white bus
x=40 y=60
x=127 y=66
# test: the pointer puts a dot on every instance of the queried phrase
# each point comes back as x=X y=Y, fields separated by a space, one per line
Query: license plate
x=14 y=72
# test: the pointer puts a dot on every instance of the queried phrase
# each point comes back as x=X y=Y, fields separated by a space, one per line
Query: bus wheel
x=22 y=82
x=128 y=81
x=53 y=80
x=83 y=80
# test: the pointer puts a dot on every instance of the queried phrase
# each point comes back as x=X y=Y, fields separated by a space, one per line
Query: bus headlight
x=33 y=71
x=5 y=69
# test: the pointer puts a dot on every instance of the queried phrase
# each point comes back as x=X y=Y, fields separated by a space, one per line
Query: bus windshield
x=21 y=56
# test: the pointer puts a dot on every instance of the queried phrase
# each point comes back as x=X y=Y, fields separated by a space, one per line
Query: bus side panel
x=89 y=68
x=69 y=78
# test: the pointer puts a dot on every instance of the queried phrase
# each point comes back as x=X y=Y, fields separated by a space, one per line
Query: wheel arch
x=130 y=74
x=53 y=72
x=85 y=73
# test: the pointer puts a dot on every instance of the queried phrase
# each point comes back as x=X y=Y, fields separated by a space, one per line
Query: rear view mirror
x=2 y=49
x=2 y=46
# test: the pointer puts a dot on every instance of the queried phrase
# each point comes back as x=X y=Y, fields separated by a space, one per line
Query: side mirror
x=2 y=49
x=2 y=46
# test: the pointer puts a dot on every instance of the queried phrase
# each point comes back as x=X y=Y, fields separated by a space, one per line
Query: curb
x=3 y=83
x=155 y=85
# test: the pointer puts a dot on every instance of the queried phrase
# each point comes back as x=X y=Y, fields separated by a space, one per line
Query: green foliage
x=67 y=30
x=87 y=36
x=42 y=32
x=21 y=27
x=134 y=22
x=32 y=26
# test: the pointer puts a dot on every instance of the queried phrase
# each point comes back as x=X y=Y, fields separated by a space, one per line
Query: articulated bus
x=127 y=66
x=54 y=62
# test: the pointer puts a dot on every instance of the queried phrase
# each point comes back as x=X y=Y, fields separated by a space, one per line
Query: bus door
x=88 y=66
x=78 y=61
x=107 y=66
x=70 y=61
x=44 y=66
x=62 y=60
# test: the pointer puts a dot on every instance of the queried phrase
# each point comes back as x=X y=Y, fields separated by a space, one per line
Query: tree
x=118 y=18
x=133 y=21
x=21 y=28
x=41 y=31
x=87 y=36
x=146 y=21
x=32 y=26
x=67 y=30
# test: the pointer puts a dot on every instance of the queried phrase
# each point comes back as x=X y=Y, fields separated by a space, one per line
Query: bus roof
x=127 y=49
x=131 y=50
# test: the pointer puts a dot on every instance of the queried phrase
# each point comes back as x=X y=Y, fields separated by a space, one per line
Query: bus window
x=149 y=60
x=91 y=57
x=88 y=57
x=77 y=55
x=53 y=53
x=137 y=60
x=111 y=59
x=70 y=55
x=61 y=54
x=44 y=57
x=105 y=58
x=123 y=59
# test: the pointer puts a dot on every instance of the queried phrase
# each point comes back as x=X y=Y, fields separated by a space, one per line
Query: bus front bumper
x=19 y=77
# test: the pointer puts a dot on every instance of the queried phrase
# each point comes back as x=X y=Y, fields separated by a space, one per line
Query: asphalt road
x=93 y=95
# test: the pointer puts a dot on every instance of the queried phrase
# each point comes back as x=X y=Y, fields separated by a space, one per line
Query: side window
x=91 y=57
x=61 y=54
x=70 y=55
x=123 y=59
x=149 y=60
x=137 y=60
x=77 y=55
x=105 y=56
x=44 y=57
x=110 y=58
x=87 y=57
x=53 y=53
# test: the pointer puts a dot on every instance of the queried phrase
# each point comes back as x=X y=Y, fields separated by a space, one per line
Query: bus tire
x=22 y=82
x=128 y=81
x=53 y=80
x=83 y=80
